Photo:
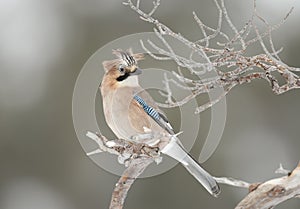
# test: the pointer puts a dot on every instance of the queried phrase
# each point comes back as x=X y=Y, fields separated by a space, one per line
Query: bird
x=130 y=111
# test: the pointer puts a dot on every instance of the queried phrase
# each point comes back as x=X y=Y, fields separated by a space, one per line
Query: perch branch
x=138 y=156
x=134 y=169
x=135 y=156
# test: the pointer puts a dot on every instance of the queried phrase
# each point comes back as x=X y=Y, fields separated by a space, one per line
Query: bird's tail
x=176 y=151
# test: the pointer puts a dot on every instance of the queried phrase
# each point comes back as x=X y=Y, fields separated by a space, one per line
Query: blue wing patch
x=155 y=115
x=148 y=109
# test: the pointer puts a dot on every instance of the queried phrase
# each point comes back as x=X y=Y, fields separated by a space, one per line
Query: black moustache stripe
x=123 y=77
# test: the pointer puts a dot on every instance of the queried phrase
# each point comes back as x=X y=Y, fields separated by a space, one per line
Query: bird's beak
x=136 y=71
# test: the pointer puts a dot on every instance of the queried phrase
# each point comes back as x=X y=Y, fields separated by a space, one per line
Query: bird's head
x=123 y=70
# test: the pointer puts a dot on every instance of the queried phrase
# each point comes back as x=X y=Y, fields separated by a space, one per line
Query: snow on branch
x=230 y=59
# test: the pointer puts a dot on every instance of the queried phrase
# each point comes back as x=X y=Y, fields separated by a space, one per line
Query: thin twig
x=232 y=182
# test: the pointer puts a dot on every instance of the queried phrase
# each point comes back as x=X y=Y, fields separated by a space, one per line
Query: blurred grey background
x=43 y=46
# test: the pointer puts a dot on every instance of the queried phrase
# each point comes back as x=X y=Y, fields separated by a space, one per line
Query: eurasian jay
x=131 y=112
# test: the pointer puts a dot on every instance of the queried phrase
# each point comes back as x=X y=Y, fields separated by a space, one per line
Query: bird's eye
x=121 y=69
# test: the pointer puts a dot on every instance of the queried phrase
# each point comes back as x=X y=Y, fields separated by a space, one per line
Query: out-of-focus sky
x=43 y=46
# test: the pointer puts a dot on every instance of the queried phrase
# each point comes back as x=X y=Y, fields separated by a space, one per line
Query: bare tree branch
x=230 y=61
x=273 y=192
x=270 y=193
x=137 y=157
x=134 y=169
x=233 y=66
x=232 y=182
